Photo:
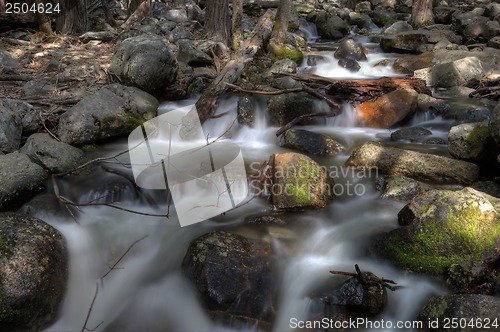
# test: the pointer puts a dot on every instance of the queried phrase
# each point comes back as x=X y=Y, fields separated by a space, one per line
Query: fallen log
x=232 y=70
x=360 y=90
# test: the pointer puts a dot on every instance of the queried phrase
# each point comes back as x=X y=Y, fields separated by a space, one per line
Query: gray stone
x=8 y=62
x=409 y=41
x=37 y=87
x=399 y=188
x=494 y=124
x=54 y=156
x=472 y=141
x=284 y=108
x=462 y=19
x=466 y=307
x=112 y=111
x=383 y=18
x=416 y=165
x=33 y=270
x=104 y=36
x=397 y=27
x=363 y=7
x=233 y=274
x=492 y=10
x=191 y=55
x=349 y=49
x=443 y=14
x=349 y=64
x=20 y=180
x=176 y=15
x=145 y=62
x=494 y=42
x=246 y=111
x=11 y=126
x=311 y=143
x=467 y=112
x=331 y=26
x=467 y=71
x=283 y=66
x=410 y=134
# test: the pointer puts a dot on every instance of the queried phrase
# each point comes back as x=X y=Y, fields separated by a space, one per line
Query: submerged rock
x=410 y=134
x=309 y=142
x=388 y=109
x=112 y=111
x=465 y=308
x=416 y=165
x=233 y=274
x=444 y=227
x=33 y=272
x=298 y=182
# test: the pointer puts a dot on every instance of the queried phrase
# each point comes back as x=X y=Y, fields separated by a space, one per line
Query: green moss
x=283 y=52
x=125 y=123
x=7 y=314
x=477 y=137
x=466 y=233
x=299 y=186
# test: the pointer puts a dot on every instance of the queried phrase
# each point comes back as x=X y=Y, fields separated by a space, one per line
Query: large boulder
x=298 y=182
x=188 y=53
x=468 y=312
x=20 y=179
x=443 y=227
x=416 y=165
x=54 y=156
x=233 y=274
x=112 y=111
x=331 y=26
x=387 y=110
x=286 y=107
x=11 y=123
x=463 y=72
x=409 y=63
x=309 y=142
x=472 y=141
x=145 y=62
x=404 y=42
x=33 y=273
x=349 y=49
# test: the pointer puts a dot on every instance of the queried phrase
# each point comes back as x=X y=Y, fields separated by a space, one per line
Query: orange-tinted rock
x=387 y=110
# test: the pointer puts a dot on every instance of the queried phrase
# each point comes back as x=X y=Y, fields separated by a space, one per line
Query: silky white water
x=146 y=290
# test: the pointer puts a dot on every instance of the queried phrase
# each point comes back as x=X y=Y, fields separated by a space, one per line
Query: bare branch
x=290 y=124
x=84 y=328
x=113 y=267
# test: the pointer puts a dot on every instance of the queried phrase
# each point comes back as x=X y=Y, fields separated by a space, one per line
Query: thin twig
x=302 y=117
x=84 y=328
x=122 y=256
x=259 y=92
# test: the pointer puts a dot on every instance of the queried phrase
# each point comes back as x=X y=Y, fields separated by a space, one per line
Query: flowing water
x=146 y=290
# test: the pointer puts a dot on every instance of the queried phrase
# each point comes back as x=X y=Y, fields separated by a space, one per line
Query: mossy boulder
x=331 y=26
x=443 y=227
x=298 y=182
x=33 y=272
x=472 y=141
x=286 y=107
x=112 y=111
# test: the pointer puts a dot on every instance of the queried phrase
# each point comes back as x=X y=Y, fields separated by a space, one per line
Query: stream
x=146 y=291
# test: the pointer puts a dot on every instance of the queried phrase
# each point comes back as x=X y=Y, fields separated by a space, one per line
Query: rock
x=37 y=87
x=470 y=278
x=283 y=66
x=330 y=26
x=349 y=64
x=363 y=7
x=494 y=124
x=233 y=274
x=467 y=71
x=246 y=111
x=383 y=18
x=488 y=187
x=112 y=111
x=409 y=63
x=8 y=62
x=286 y=107
x=492 y=10
x=54 y=156
x=176 y=15
x=398 y=187
x=467 y=111
x=494 y=42
x=145 y=62
x=387 y=110
x=189 y=54
x=20 y=179
x=472 y=141
x=397 y=27
x=266 y=219
x=404 y=42
x=444 y=227
x=416 y=165
x=349 y=49
x=443 y=14
x=311 y=143
x=31 y=119
x=104 y=36
x=11 y=126
x=466 y=308
x=298 y=182
x=410 y=134
x=33 y=270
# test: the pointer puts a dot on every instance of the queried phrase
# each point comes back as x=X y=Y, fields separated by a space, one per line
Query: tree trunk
x=237 y=26
x=278 y=36
x=44 y=20
x=107 y=13
x=217 y=21
x=73 y=17
x=143 y=10
x=133 y=5
x=421 y=13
